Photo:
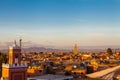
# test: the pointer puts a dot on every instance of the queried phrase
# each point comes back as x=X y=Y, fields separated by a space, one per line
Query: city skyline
x=60 y=23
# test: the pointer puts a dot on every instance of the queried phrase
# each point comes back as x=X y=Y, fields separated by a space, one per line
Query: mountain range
x=43 y=49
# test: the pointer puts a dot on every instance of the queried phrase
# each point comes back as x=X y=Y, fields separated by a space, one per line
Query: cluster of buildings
x=55 y=66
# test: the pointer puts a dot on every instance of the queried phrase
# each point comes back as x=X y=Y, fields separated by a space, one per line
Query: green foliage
x=49 y=70
x=109 y=51
x=75 y=75
x=3 y=59
x=67 y=73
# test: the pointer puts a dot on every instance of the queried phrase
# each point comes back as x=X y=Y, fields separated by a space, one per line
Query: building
x=75 y=49
x=14 y=69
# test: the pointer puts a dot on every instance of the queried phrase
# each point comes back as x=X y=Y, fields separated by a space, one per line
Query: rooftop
x=103 y=72
x=50 y=77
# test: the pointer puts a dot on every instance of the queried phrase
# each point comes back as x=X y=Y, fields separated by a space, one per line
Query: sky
x=60 y=23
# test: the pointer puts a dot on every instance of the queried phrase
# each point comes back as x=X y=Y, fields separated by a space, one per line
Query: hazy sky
x=60 y=23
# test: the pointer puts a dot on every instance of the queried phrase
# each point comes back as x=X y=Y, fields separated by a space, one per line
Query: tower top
x=15 y=46
x=15 y=54
x=15 y=43
x=20 y=42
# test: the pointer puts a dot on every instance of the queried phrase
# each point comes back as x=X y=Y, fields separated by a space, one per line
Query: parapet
x=14 y=65
x=15 y=47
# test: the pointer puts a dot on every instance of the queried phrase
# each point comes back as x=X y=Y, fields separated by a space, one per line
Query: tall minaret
x=14 y=70
x=15 y=54
x=75 y=49
x=15 y=43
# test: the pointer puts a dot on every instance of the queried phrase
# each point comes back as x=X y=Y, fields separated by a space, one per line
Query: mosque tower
x=75 y=49
x=14 y=70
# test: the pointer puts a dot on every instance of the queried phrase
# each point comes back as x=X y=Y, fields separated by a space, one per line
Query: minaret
x=15 y=54
x=15 y=43
x=75 y=49
x=20 y=42
x=14 y=70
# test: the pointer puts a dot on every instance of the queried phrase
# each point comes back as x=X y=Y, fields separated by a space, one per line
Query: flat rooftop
x=103 y=72
x=50 y=77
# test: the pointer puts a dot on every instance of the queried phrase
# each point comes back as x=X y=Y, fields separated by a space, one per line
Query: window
x=16 y=59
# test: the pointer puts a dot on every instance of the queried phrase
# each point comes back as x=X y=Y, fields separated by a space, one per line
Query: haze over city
x=60 y=23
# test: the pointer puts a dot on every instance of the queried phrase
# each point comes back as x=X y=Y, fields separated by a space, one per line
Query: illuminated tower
x=75 y=49
x=14 y=70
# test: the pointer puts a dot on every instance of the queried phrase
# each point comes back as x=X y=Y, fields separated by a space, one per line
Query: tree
x=3 y=59
x=75 y=75
x=109 y=51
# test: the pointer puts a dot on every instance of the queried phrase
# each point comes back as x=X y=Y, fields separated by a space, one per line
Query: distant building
x=75 y=49
x=14 y=70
